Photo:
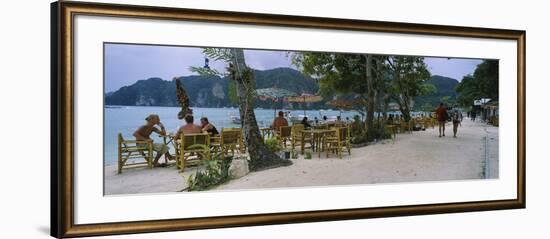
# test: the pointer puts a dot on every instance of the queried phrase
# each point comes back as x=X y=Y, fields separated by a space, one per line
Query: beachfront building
x=490 y=112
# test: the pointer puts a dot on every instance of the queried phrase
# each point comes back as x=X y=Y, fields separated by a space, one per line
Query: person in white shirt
x=456 y=116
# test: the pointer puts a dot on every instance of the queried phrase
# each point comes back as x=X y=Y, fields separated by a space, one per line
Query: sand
x=420 y=156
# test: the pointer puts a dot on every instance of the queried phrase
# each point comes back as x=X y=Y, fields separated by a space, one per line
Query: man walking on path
x=457 y=119
x=441 y=114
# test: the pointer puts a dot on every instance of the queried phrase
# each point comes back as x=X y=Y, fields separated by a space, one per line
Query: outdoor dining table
x=266 y=132
x=318 y=137
x=166 y=140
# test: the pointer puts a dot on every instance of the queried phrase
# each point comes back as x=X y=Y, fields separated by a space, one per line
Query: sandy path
x=420 y=156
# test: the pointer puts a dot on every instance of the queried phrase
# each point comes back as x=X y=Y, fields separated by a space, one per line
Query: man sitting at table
x=144 y=132
x=279 y=121
x=189 y=127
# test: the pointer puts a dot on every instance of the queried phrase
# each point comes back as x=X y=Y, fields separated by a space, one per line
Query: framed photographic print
x=170 y=119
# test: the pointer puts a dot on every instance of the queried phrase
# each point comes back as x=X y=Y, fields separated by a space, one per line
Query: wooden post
x=150 y=159
x=119 y=153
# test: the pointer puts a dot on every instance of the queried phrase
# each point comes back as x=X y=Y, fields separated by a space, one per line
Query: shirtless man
x=189 y=127
x=279 y=121
x=441 y=114
x=144 y=132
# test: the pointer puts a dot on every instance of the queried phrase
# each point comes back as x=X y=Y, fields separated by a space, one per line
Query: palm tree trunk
x=260 y=156
x=371 y=98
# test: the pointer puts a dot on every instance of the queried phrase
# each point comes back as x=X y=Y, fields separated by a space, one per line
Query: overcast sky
x=126 y=64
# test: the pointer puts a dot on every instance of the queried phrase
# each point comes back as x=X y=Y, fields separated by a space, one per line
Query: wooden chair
x=340 y=139
x=299 y=139
x=427 y=123
x=321 y=126
x=392 y=129
x=230 y=141
x=242 y=145
x=134 y=149
x=405 y=127
x=186 y=154
x=284 y=134
x=215 y=143
x=433 y=122
x=266 y=133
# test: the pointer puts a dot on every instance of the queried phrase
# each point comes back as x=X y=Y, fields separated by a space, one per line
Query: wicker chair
x=231 y=141
x=405 y=127
x=188 y=151
x=284 y=134
x=134 y=149
x=337 y=142
x=299 y=139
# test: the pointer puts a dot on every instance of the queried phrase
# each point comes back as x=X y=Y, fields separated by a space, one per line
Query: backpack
x=456 y=115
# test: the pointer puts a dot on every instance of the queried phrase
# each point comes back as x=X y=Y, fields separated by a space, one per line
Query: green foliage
x=215 y=172
x=360 y=138
x=402 y=78
x=307 y=155
x=447 y=100
x=232 y=93
x=384 y=134
x=409 y=75
x=219 y=54
x=357 y=126
x=482 y=84
x=340 y=72
x=444 y=86
x=427 y=88
x=273 y=144
x=205 y=71
x=427 y=107
x=294 y=155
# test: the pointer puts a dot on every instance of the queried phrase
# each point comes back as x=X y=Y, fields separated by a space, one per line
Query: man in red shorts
x=441 y=113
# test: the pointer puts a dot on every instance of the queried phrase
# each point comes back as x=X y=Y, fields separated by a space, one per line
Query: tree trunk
x=404 y=107
x=371 y=99
x=402 y=99
x=260 y=156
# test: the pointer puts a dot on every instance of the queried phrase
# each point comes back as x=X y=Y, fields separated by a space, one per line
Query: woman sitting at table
x=306 y=123
x=208 y=128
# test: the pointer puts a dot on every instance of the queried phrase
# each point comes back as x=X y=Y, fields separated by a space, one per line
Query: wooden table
x=166 y=140
x=318 y=136
x=266 y=132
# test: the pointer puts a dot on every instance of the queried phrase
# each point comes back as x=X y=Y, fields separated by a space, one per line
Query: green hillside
x=212 y=91
x=445 y=86
x=206 y=91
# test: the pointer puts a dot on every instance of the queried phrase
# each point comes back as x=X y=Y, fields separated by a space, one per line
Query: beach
x=419 y=156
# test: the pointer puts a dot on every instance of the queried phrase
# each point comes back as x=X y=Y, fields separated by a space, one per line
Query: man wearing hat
x=144 y=132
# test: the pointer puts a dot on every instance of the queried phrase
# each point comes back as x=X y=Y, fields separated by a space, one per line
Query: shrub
x=308 y=155
x=359 y=139
x=357 y=126
x=215 y=172
x=273 y=144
